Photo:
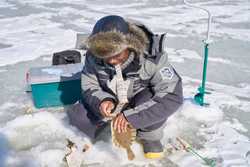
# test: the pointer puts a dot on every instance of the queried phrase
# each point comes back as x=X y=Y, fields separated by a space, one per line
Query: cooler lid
x=80 y=39
x=58 y=73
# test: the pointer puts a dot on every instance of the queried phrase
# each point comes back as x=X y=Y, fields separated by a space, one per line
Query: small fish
x=70 y=144
x=86 y=147
x=124 y=140
x=74 y=156
x=28 y=110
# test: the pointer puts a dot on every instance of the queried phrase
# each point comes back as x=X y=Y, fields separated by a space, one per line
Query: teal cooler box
x=55 y=85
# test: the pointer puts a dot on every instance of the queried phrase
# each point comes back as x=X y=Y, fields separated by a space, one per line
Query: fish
x=73 y=156
x=124 y=140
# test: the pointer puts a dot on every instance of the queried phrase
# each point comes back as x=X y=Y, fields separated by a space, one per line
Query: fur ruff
x=110 y=43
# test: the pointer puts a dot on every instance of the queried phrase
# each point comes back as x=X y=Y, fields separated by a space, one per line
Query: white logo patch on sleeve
x=166 y=73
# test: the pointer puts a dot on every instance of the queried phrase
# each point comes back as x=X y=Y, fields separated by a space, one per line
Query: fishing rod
x=186 y=146
x=199 y=97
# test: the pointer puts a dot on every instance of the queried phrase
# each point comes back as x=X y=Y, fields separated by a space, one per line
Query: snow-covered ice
x=31 y=30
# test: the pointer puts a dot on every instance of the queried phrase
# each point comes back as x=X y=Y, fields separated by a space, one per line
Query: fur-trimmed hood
x=110 y=43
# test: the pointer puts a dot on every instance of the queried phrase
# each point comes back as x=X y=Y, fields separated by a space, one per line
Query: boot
x=152 y=149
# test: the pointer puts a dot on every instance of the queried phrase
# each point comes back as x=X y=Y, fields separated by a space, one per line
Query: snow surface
x=31 y=30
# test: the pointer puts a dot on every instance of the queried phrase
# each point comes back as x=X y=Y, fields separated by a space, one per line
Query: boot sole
x=152 y=155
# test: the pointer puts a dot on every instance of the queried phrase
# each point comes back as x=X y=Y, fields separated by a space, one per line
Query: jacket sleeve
x=92 y=92
x=167 y=97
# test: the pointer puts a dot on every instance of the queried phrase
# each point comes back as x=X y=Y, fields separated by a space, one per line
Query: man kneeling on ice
x=154 y=87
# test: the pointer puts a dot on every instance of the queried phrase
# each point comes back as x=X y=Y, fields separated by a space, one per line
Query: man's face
x=118 y=59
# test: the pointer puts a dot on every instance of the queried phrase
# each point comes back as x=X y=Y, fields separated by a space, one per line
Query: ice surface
x=31 y=30
x=29 y=42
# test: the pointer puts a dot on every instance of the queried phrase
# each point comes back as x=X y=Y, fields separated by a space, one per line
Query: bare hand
x=106 y=107
x=120 y=123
